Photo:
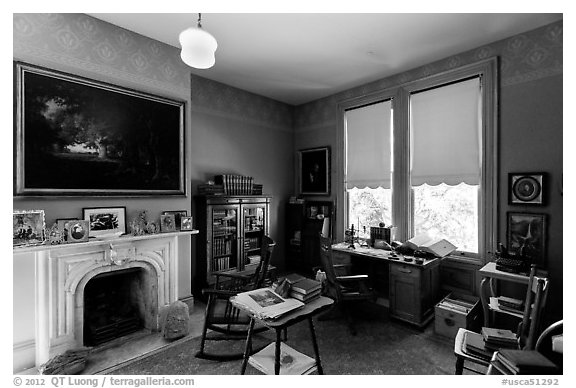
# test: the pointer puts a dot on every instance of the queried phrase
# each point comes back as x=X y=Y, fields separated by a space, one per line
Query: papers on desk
x=264 y=303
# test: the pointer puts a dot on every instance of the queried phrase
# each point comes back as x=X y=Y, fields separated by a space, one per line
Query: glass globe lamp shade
x=198 y=48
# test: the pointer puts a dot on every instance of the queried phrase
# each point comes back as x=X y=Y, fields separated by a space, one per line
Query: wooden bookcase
x=230 y=235
x=304 y=223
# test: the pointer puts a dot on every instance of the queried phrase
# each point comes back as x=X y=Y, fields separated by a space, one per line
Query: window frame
x=402 y=207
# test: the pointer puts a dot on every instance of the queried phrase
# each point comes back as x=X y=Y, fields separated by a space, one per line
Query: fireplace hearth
x=114 y=306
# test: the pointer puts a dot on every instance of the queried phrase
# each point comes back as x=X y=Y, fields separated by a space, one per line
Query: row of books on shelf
x=220 y=263
x=523 y=362
x=250 y=242
x=221 y=247
x=231 y=184
x=223 y=230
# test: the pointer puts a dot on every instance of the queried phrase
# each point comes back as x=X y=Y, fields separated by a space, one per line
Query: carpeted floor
x=381 y=347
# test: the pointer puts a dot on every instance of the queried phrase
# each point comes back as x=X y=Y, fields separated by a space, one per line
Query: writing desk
x=306 y=312
x=413 y=288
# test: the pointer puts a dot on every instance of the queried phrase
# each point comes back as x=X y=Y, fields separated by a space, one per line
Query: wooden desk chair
x=225 y=321
x=534 y=303
x=344 y=289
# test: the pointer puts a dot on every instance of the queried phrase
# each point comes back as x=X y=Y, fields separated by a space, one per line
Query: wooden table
x=306 y=312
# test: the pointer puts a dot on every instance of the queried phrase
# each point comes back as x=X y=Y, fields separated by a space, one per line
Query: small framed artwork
x=28 y=227
x=178 y=214
x=78 y=231
x=167 y=223
x=314 y=169
x=526 y=188
x=105 y=221
x=63 y=226
x=186 y=223
x=526 y=235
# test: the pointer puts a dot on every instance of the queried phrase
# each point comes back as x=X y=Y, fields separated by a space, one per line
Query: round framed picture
x=526 y=189
x=78 y=231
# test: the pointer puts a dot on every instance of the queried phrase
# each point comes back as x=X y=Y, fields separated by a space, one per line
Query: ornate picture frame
x=314 y=171
x=526 y=188
x=29 y=227
x=526 y=235
x=131 y=142
x=105 y=221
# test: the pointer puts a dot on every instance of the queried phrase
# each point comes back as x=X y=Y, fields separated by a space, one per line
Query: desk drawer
x=404 y=270
x=341 y=258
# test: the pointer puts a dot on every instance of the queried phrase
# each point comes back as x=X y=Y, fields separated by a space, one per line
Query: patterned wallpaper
x=523 y=58
x=86 y=46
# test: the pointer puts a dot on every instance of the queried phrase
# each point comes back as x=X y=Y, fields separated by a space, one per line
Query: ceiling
x=298 y=57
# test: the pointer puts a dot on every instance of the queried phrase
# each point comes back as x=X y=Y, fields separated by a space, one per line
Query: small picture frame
x=167 y=223
x=63 y=226
x=186 y=223
x=526 y=236
x=28 y=227
x=526 y=188
x=314 y=170
x=178 y=214
x=105 y=221
x=78 y=231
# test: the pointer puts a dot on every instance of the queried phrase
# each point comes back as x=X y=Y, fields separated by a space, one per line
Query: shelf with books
x=231 y=228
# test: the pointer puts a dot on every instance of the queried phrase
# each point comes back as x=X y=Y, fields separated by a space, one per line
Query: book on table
x=525 y=362
x=264 y=303
x=438 y=247
x=474 y=345
x=306 y=297
x=306 y=286
x=292 y=362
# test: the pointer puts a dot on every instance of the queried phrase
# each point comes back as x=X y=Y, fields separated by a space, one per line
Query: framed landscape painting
x=76 y=136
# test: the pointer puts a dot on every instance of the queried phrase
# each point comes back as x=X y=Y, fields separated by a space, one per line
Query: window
x=422 y=157
x=369 y=165
x=445 y=163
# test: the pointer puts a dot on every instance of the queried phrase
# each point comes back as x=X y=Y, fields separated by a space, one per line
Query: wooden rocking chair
x=224 y=321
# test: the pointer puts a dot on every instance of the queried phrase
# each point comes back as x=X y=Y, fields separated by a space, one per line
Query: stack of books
x=523 y=362
x=511 y=304
x=495 y=339
x=475 y=345
x=305 y=290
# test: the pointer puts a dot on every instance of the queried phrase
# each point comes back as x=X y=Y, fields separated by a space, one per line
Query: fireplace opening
x=114 y=305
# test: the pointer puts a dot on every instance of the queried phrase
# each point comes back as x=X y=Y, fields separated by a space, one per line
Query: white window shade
x=445 y=134
x=368 y=141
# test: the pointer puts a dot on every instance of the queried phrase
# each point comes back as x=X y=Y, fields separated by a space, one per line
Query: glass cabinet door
x=224 y=239
x=254 y=227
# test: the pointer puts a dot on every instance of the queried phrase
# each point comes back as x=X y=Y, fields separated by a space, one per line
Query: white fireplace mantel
x=63 y=270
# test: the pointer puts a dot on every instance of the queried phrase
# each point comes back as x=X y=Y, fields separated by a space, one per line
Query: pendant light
x=198 y=47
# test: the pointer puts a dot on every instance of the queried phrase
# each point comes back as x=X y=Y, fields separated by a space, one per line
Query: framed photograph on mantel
x=314 y=167
x=76 y=136
x=105 y=222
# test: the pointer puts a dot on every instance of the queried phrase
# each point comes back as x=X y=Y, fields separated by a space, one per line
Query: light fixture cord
x=199 y=20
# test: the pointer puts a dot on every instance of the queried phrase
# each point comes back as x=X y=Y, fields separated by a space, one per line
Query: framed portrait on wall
x=314 y=170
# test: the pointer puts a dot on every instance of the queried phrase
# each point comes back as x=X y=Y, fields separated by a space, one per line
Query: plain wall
x=530 y=127
x=227 y=130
